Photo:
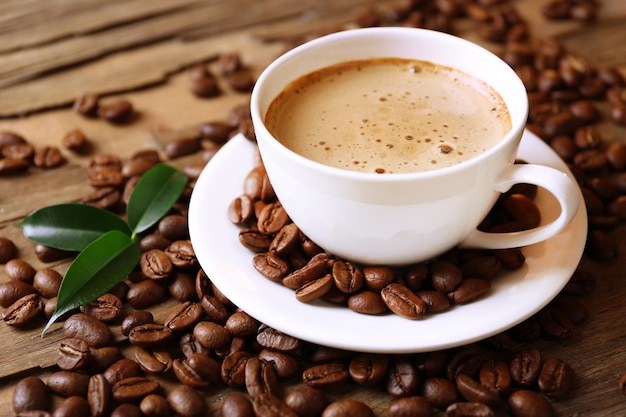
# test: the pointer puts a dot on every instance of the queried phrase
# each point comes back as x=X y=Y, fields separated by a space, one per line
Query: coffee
x=388 y=115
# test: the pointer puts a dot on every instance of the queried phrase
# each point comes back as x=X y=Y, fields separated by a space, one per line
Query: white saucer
x=514 y=296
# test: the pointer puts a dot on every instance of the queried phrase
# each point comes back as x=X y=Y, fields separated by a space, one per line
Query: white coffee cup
x=397 y=219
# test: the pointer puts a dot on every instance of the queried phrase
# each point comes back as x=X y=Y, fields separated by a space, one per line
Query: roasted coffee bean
x=216 y=131
x=367 y=302
x=444 y=276
x=149 y=335
x=241 y=323
x=153 y=361
x=20 y=270
x=556 y=377
x=126 y=410
x=271 y=266
x=24 y=311
x=68 y=383
x=87 y=328
x=73 y=354
x=105 y=198
x=495 y=375
x=414 y=406
x=214 y=309
x=474 y=391
x=368 y=368
x=440 y=392
x=136 y=318
x=403 y=379
x=181 y=254
x=618 y=113
x=435 y=301
x=205 y=87
x=8 y=250
x=73 y=406
x=522 y=209
x=273 y=339
x=314 y=269
x=11 y=291
x=133 y=389
x=136 y=167
x=9 y=166
x=181 y=286
x=153 y=241
x=432 y=363
x=525 y=366
x=211 y=335
x=145 y=294
x=257 y=242
x=156 y=265
x=466 y=360
x=268 y=405
x=99 y=395
x=240 y=80
x=104 y=177
x=47 y=281
x=326 y=375
x=23 y=151
x=86 y=105
x=173 y=227
x=285 y=240
x=469 y=290
x=511 y=258
x=469 y=409
x=286 y=365
x=121 y=369
x=403 y=301
x=306 y=401
x=182 y=146
x=184 y=316
x=260 y=377
x=236 y=404
x=555 y=324
x=187 y=375
x=48 y=157
x=272 y=218
x=106 y=308
x=346 y=408
x=154 y=405
x=377 y=277
x=31 y=393
x=241 y=209
x=317 y=288
x=233 y=368
x=527 y=403
x=484 y=266
x=348 y=277
x=186 y=401
x=102 y=358
x=118 y=112
x=415 y=276
x=205 y=366
x=75 y=140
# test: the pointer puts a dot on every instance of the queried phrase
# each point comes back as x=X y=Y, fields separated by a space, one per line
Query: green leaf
x=99 y=267
x=70 y=226
x=154 y=194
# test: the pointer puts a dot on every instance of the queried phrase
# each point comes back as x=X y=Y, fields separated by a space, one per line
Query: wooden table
x=52 y=52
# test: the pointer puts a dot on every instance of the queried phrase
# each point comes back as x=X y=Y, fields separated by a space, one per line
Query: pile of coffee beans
x=206 y=345
x=284 y=254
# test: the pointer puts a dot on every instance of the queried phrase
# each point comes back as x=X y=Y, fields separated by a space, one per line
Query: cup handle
x=556 y=182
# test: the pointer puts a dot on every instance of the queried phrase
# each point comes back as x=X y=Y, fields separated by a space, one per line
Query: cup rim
x=517 y=124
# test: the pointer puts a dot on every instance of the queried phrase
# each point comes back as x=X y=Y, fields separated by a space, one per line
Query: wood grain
x=140 y=51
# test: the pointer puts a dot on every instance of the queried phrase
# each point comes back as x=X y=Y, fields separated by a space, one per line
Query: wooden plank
x=45 y=22
x=26 y=64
